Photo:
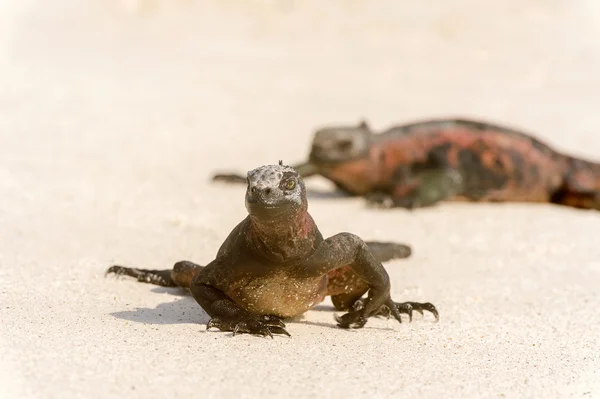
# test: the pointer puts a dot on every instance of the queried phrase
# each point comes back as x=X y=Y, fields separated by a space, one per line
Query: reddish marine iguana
x=275 y=264
x=421 y=163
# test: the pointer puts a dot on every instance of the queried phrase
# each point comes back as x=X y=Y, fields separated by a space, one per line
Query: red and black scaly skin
x=275 y=264
x=422 y=163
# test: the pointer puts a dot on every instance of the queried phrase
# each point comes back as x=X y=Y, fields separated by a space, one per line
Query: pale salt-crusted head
x=274 y=190
x=335 y=144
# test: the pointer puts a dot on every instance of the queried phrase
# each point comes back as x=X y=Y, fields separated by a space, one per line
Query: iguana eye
x=290 y=184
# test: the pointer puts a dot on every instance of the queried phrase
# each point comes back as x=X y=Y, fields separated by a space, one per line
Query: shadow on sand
x=185 y=310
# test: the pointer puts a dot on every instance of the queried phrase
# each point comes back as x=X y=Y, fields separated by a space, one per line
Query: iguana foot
x=381 y=201
x=359 y=314
x=259 y=325
x=156 y=277
x=351 y=320
x=402 y=307
x=409 y=307
x=387 y=201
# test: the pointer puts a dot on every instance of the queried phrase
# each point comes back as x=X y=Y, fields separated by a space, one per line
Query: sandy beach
x=114 y=115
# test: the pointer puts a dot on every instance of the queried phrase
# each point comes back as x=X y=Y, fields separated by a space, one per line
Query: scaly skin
x=275 y=264
x=422 y=163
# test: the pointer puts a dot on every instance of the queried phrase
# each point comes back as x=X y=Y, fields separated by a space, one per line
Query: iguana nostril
x=267 y=191
x=253 y=190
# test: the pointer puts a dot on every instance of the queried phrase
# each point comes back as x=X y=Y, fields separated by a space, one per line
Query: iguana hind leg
x=386 y=251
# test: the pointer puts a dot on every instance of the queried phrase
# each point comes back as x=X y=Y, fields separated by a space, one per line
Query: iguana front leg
x=417 y=190
x=346 y=249
x=226 y=315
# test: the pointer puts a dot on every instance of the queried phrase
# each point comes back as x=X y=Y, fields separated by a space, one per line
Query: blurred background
x=196 y=76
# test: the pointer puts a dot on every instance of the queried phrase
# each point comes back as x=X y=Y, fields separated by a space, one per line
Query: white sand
x=114 y=114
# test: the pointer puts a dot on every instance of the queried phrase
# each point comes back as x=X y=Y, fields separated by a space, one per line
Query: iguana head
x=275 y=191
x=337 y=144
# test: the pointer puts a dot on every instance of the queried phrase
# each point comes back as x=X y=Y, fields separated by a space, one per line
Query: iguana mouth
x=258 y=200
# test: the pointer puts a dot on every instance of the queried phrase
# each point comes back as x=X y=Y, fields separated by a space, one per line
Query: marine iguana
x=275 y=264
x=424 y=162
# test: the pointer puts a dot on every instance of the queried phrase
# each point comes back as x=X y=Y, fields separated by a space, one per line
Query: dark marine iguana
x=421 y=163
x=275 y=264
